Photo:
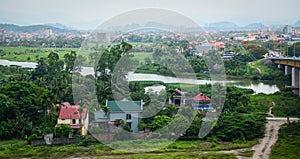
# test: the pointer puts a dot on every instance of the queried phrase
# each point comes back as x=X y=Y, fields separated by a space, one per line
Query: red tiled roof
x=68 y=111
x=201 y=97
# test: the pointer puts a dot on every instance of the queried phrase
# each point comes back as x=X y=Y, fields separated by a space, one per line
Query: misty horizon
x=89 y=14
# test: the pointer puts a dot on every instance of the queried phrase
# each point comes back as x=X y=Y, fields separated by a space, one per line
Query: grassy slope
x=280 y=100
x=179 y=149
x=288 y=144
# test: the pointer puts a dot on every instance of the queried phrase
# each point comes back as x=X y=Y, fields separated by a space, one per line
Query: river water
x=258 y=87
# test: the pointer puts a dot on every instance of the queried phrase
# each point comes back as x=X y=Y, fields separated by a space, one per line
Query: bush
x=62 y=131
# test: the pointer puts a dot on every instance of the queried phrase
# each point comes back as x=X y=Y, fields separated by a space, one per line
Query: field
x=287 y=146
x=29 y=54
x=24 y=54
x=179 y=149
x=141 y=56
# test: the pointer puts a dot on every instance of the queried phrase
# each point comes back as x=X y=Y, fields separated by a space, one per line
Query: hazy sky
x=88 y=13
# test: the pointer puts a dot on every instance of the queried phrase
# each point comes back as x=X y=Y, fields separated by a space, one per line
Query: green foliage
x=257 y=51
x=295 y=47
x=237 y=126
x=62 y=131
x=25 y=99
x=159 y=122
x=104 y=70
x=283 y=103
x=244 y=58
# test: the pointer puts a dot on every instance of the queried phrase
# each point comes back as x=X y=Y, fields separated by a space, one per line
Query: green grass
x=178 y=149
x=267 y=71
x=288 y=143
x=141 y=56
x=246 y=153
x=259 y=65
x=285 y=102
x=28 y=54
x=179 y=155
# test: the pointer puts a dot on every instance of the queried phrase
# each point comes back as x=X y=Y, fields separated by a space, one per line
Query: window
x=128 y=116
x=73 y=121
x=129 y=125
x=63 y=119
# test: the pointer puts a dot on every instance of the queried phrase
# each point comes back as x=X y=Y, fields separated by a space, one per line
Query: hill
x=255 y=26
x=34 y=28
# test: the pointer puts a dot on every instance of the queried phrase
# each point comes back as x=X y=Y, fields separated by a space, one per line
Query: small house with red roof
x=74 y=117
x=202 y=102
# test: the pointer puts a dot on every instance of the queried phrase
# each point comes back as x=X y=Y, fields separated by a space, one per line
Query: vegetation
x=283 y=103
x=287 y=146
x=179 y=149
x=28 y=94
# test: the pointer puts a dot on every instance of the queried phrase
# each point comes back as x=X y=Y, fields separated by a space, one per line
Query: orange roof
x=201 y=97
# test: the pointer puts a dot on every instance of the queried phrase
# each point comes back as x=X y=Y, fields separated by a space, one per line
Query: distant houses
x=130 y=112
x=75 y=117
x=125 y=112
x=199 y=102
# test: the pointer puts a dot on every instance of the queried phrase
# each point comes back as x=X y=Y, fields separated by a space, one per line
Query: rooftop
x=68 y=111
x=125 y=105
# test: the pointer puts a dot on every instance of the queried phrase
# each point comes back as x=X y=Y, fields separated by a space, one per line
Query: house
x=178 y=98
x=202 y=102
x=70 y=115
x=128 y=111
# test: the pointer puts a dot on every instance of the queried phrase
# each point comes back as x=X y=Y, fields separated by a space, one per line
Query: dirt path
x=270 y=110
x=263 y=150
x=258 y=69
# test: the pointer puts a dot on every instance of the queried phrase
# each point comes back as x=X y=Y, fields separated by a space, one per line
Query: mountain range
x=60 y=28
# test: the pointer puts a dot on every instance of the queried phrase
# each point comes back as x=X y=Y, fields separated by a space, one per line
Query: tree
x=294 y=48
x=62 y=131
x=69 y=60
x=159 y=122
x=25 y=100
x=257 y=51
x=105 y=67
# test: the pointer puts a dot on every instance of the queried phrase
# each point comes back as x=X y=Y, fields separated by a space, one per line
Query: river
x=258 y=87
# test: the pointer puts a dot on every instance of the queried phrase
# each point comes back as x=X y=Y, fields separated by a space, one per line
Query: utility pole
x=294 y=49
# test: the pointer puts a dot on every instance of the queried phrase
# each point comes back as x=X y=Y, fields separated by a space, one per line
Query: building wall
x=121 y=115
x=67 y=121
x=85 y=124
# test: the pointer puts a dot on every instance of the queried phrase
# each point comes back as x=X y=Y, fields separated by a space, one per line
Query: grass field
x=23 y=54
x=288 y=144
x=141 y=56
x=29 y=54
x=179 y=149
